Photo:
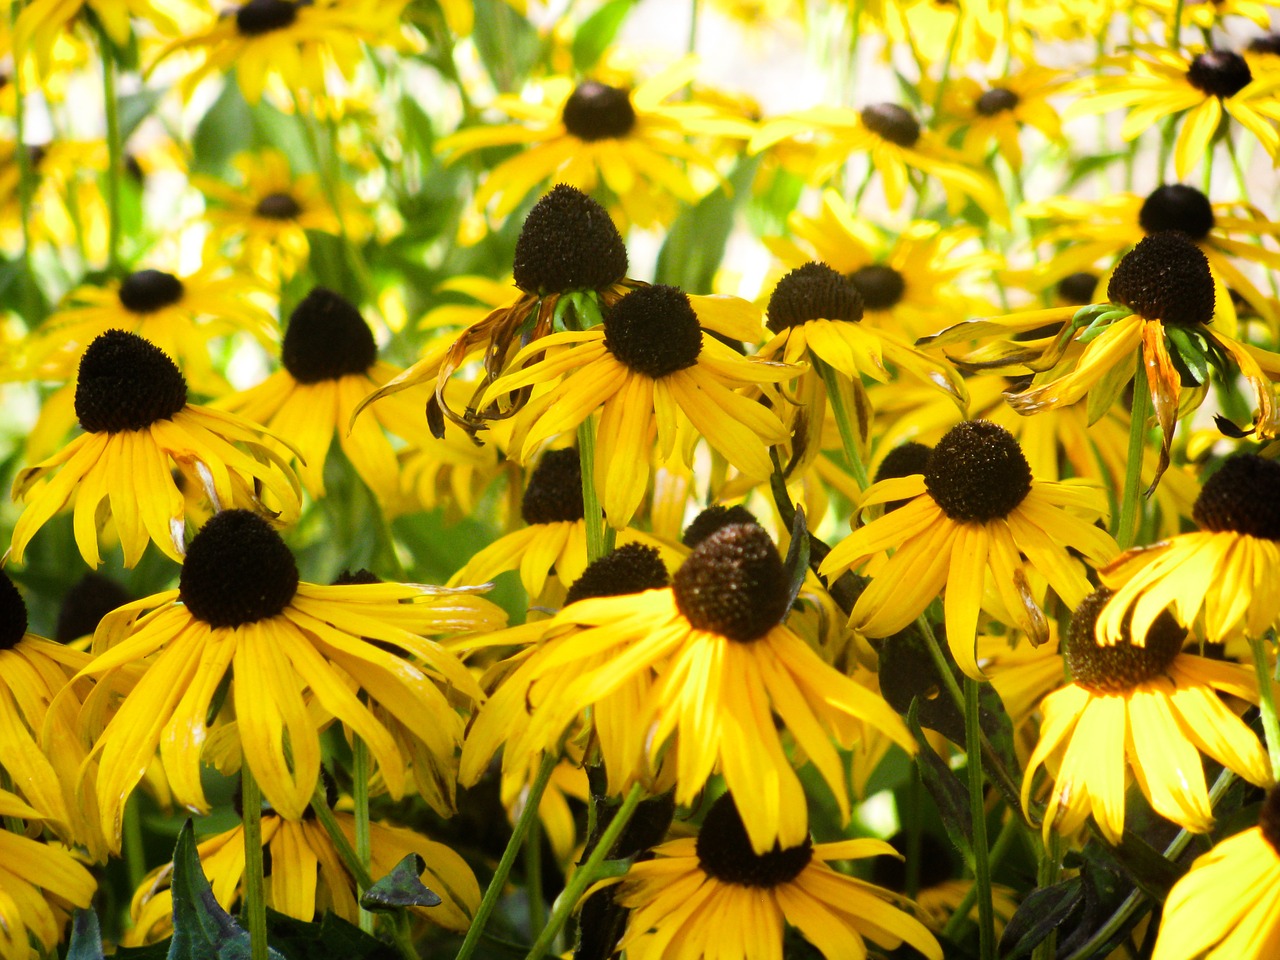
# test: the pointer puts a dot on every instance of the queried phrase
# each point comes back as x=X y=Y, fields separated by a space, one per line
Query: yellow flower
x=70 y=211
x=41 y=23
x=717 y=896
x=970 y=518
x=999 y=109
x=132 y=403
x=240 y=608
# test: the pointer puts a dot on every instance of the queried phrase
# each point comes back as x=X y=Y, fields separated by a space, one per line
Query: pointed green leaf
x=86 y=938
x=597 y=32
x=401 y=888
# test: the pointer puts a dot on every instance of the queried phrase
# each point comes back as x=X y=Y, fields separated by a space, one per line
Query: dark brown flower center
x=1268 y=43
x=1165 y=277
x=1269 y=819
x=597 y=111
x=654 y=331
x=13 y=613
x=1242 y=497
x=1219 y=73
x=1078 y=289
x=892 y=122
x=996 y=100
x=631 y=568
x=1176 y=206
x=237 y=571
x=554 y=491
x=126 y=383
x=977 y=472
x=327 y=339
x=813 y=292
x=904 y=460
x=724 y=851
x=881 y=287
x=568 y=242
x=147 y=291
x=278 y=206
x=262 y=16
x=733 y=584
x=1123 y=666
x=712 y=519
x=86 y=603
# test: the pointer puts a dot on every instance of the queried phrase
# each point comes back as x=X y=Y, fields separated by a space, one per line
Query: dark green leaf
x=597 y=32
x=1188 y=356
x=797 y=555
x=225 y=130
x=950 y=795
x=1042 y=912
x=507 y=43
x=695 y=243
x=331 y=939
x=135 y=107
x=86 y=939
x=401 y=888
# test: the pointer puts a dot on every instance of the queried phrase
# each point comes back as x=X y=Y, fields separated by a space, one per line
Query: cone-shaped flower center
x=1078 y=288
x=996 y=100
x=568 y=242
x=733 y=584
x=147 y=291
x=1242 y=497
x=903 y=461
x=597 y=111
x=1165 y=277
x=327 y=339
x=813 y=292
x=1123 y=666
x=977 y=472
x=724 y=851
x=126 y=383
x=1176 y=206
x=13 y=613
x=237 y=571
x=278 y=206
x=712 y=519
x=892 y=122
x=881 y=287
x=554 y=492
x=1267 y=43
x=262 y=16
x=654 y=331
x=361 y=577
x=632 y=568
x=86 y=603
x=1269 y=819
x=1219 y=73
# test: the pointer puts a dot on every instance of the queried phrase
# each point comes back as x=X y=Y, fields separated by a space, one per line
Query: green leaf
x=696 y=241
x=508 y=44
x=202 y=930
x=1042 y=912
x=597 y=32
x=224 y=130
x=1187 y=355
x=136 y=107
x=949 y=793
x=331 y=939
x=797 y=563
x=86 y=938
x=401 y=888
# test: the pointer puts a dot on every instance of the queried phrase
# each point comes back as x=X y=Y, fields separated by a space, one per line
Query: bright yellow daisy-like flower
x=295 y=43
x=1224 y=907
x=999 y=110
x=652 y=368
x=1225 y=570
x=240 y=607
x=969 y=519
x=307 y=877
x=1156 y=83
x=896 y=144
x=39 y=884
x=71 y=210
x=717 y=896
x=331 y=364
x=41 y=23
x=132 y=403
x=1148 y=708
x=633 y=141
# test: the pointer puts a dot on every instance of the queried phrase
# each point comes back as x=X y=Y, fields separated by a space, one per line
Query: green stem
x=533 y=878
x=960 y=915
x=600 y=535
x=1047 y=874
x=494 y=890
x=1175 y=28
x=585 y=874
x=1130 y=503
x=360 y=794
x=840 y=409
x=115 y=151
x=1267 y=702
x=134 y=855
x=978 y=812
x=26 y=173
x=692 y=43
x=945 y=78
x=255 y=897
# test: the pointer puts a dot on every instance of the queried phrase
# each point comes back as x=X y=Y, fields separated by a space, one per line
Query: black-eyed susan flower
x=998 y=110
x=896 y=143
x=634 y=141
x=240 y=607
x=330 y=364
x=719 y=895
x=971 y=517
x=293 y=41
x=653 y=369
x=721 y=664
x=39 y=884
x=132 y=403
x=570 y=262
x=1199 y=87
x=1223 y=908
x=306 y=877
x=1150 y=709
x=1225 y=570
x=41 y=23
x=71 y=209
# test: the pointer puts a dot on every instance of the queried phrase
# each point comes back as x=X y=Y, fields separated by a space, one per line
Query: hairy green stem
x=254 y=907
x=960 y=916
x=1130 y=500
x=533 y=878
x=600 y=536
x=134 y=855
x=1267 y=702
x=115 y=153
x=360 y=794
x=839 y=407
x=1047 y=873
x=978 y=813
